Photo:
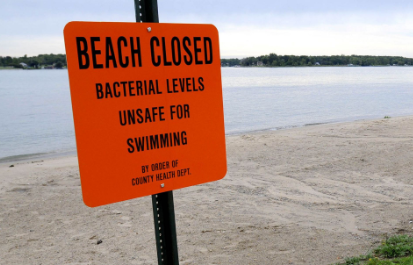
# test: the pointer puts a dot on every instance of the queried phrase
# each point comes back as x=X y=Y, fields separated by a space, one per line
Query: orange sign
x=147 y=107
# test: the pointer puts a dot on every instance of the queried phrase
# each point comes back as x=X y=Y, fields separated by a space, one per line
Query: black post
x=165 y=230
x=162 y=203
x=146 y=11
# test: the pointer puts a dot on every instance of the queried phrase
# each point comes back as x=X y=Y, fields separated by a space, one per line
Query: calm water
x=272 y=98
x=36 y=115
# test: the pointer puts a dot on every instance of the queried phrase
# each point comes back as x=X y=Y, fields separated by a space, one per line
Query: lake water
x=36 y=115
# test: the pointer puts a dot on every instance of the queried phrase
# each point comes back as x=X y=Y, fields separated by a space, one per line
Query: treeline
x=273 y=59
x=56 y=60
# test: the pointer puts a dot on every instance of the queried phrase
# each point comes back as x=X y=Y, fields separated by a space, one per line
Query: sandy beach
x=310 y=195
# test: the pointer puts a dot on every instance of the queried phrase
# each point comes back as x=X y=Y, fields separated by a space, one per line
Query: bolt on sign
x=147 y=107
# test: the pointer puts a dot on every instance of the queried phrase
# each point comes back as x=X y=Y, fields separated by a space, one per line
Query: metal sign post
x=162 y=203
x=146 y=11
x=165 y=230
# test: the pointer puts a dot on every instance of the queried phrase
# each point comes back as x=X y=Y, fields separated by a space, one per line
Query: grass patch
x=396 y=246
x=397 y=261
x=357 y=260
x=387 y=117
x=394 y=250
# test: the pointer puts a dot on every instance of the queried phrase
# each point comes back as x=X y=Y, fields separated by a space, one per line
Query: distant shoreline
x=316 y=66
x=273 y=59
x=30 y=69
x=286 y=66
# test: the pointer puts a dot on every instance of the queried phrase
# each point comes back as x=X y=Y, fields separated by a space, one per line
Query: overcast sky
x=247 y=28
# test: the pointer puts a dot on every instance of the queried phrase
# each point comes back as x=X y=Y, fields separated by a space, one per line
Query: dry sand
x=310 y=195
